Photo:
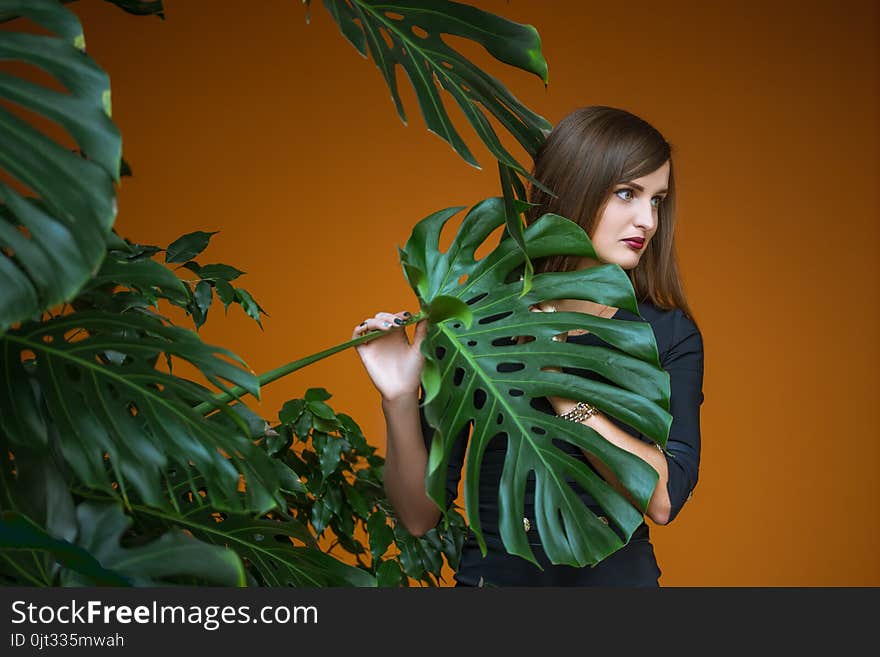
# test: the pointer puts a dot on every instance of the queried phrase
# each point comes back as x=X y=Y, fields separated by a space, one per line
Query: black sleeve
x=684 y=363
x=456 y=459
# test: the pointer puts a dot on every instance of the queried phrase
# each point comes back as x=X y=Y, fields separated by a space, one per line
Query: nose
x=646 y=216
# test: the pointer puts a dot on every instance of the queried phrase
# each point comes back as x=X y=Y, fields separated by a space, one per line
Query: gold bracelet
x=580 y=412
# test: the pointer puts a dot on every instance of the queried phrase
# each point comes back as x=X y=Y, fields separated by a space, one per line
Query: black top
x=680 y=346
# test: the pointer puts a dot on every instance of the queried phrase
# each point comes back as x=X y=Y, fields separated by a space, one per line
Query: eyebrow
x=640 y=188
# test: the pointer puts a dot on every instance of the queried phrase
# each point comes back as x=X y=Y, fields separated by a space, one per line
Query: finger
x=360 y=329
x=420 y=333
x=388 y=320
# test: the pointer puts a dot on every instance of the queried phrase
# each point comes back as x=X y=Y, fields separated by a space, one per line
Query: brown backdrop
x=239 y=117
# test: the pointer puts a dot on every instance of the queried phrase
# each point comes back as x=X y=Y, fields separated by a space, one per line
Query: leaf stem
x=279 y=372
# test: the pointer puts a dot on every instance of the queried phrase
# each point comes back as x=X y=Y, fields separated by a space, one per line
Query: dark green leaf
x=193 y=266
x=218 y=271
x=317 y=395
x=357 y=501
x=388 y=574
x=321 y=513
x=327 y=426
x=188 y=246
x=353 y=434
x=303 y=425
x=328 y=449
x=320 y=409
x=251 y=307
x=291 y=410
x=145 y=275
x=202 y=297
x=333 y=498
x=225 y=292
x=381 y=535
x=277 y=443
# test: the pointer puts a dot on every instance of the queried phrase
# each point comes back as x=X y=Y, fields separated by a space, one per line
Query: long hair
x=589 y=152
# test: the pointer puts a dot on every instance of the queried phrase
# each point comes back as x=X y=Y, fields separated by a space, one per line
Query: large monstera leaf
x=414 y=31
x=476 y=372
x=90 y=380
x=53 y=241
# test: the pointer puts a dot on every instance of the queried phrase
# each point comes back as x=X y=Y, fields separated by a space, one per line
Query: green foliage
x=92 y=375
x=476 y=370
x=415 y=31
x=342 y=493
x=52 y=243
x=111 y=464
x=113 y=474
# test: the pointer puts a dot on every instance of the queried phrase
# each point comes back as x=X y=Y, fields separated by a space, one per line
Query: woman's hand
x=394 y=365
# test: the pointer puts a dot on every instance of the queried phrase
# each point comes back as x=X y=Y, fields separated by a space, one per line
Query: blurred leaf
x=188 y=246
x=19 y=534
x=219 y=272
x=172 y=554
x=141 y=7
x=52 y=244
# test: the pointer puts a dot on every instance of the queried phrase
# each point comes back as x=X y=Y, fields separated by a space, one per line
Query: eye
x=659 y=200
x=625 y=190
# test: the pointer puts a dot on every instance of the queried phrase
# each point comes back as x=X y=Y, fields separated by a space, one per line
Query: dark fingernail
x=398 y=321
x=406 y=313
x=362 y=324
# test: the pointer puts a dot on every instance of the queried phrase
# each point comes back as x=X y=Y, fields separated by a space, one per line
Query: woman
x=612 y=174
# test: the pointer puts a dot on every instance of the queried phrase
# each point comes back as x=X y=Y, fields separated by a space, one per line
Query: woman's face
x=631 y=211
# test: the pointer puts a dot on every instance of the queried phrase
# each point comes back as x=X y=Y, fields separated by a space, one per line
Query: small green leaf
x=225 y=292
x=329 y=452
x=188 y=247
x=317 y=394
x=389 y=574
x=202 y=297
x=291 y=410
x=251 y=307
x=321 y=514
x=303 y=425
x=327 y=426
x=381 y=535
x=322 y=410
x=357 y=501
x=215 y=271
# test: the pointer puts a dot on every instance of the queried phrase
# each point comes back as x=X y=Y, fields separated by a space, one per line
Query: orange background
x=242 y=118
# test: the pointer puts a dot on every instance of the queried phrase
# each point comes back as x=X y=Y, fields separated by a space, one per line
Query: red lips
x=636 y=244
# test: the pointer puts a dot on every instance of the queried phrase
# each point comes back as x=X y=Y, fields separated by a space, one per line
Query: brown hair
x=589 y=152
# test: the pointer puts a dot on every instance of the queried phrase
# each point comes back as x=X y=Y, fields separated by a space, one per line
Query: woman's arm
x=678 y=472
x=406 y=460
x=660 y=506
